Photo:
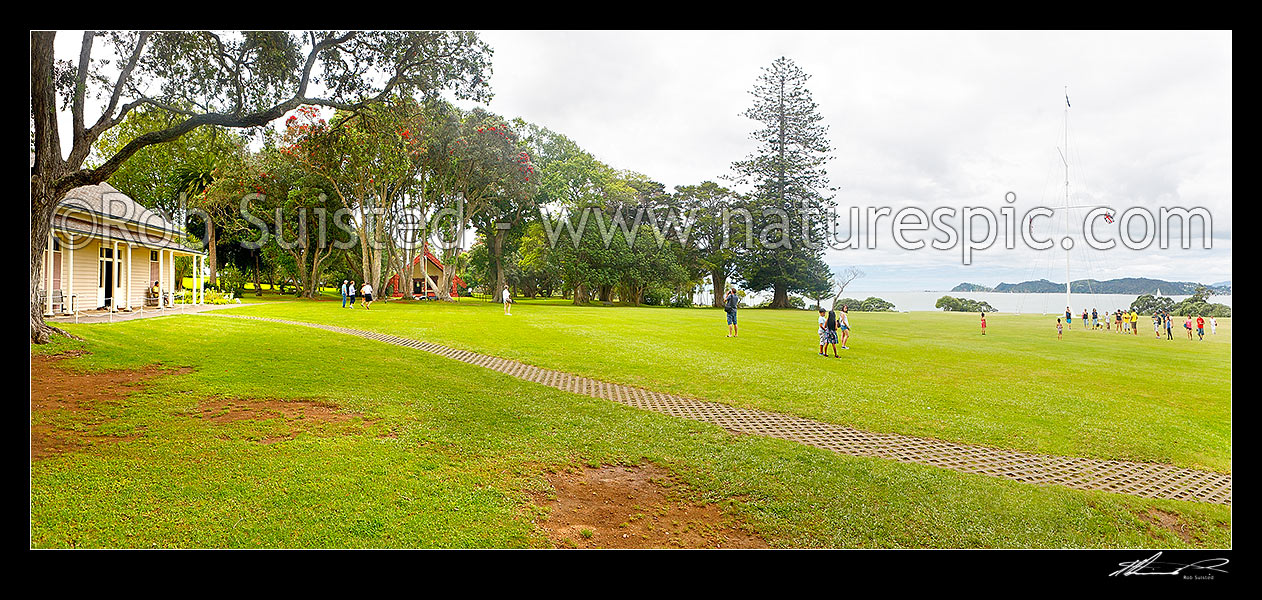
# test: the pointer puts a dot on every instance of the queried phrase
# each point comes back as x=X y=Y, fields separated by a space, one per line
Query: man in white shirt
x=508 y=302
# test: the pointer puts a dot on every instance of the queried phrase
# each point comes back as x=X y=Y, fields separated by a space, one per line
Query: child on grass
x=983 y=323
x=823 y=335
x=843 y=325
x=1060 y=328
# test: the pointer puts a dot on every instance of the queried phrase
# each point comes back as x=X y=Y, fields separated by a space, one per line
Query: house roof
x=104 y=200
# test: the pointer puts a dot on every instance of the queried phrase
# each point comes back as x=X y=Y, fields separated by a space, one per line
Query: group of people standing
x=834 y=325
x=834 y=328
x=349 y=292
x=1127 y=322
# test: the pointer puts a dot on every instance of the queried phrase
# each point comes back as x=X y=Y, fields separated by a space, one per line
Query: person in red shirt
x=1200 y=327
x=983 y=323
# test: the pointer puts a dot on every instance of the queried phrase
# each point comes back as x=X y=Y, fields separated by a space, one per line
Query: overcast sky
x=923 y=119
x=915 y=119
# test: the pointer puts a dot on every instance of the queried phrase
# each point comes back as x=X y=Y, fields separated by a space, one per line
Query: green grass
x=471 y=443
x=1093 y=394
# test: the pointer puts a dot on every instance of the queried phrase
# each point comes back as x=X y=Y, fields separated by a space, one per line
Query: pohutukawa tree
x=789 y=208
x=289 y=210
x=371 y=159
x=714 y=230
x=479 y=167
x=229 y=79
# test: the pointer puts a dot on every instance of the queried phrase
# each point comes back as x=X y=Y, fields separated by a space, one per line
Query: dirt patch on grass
x=82 y=395
x=50 y=441
x=1169 y=522
x=297 y=416
x=635 y=507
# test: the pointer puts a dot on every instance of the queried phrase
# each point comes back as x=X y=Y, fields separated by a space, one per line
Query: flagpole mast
x=1065 y=159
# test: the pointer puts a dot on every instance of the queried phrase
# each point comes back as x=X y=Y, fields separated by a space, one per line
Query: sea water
x=1031 y=303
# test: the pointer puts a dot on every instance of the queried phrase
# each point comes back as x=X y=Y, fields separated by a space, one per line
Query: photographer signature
x=1150 y=565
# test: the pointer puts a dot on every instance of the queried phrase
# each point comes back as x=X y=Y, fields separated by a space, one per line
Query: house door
x=105 y=279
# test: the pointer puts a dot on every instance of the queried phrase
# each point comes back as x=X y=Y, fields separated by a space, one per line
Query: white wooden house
x=105 y=251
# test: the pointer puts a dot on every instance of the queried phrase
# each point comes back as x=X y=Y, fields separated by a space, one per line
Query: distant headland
x=1126 y=285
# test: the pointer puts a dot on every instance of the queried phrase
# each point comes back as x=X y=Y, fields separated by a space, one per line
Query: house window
x=56 y=245
x=153 y=256
x=107 y=252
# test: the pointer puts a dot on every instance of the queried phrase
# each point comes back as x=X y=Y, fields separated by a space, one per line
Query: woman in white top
x=508 y=301
x=367 y=291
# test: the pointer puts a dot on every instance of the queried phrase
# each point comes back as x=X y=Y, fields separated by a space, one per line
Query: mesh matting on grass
x=1124 y=477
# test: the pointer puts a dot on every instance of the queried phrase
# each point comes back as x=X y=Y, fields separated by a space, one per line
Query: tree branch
x=83 y=144
x=81 y=87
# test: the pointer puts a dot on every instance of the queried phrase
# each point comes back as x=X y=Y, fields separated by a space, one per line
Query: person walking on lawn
x=350 y=292
x=344 y=283
x=729 y=306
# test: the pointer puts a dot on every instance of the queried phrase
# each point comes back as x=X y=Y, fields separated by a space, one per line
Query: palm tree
x=191 y=180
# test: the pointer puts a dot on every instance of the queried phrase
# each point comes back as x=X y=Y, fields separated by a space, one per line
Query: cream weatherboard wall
x=86 y=272
x=137 y=270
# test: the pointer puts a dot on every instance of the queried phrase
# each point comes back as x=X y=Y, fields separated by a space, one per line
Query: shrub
x=1191 y=308
x=232 y=280
x=952 y=304
x=657 y=297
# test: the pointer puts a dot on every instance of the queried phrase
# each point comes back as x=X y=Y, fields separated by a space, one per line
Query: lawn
x=437 y=453
x=1093 y=393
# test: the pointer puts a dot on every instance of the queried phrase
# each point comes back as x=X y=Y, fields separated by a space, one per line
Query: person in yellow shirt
x=1134 y=322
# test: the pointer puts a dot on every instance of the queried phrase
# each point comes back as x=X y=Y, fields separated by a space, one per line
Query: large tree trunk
x=580 y=293
x=258 y=286
x=781 y=297
x=606 y=293
x=720 y=287
x=444 y=282
x=41 y=226
x=212 y=261
x=49 y=167
x=497 y=257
